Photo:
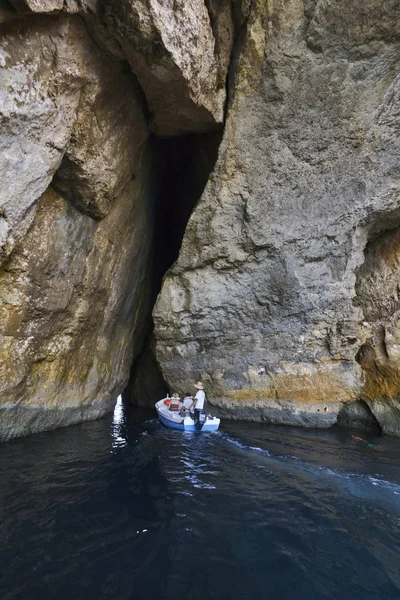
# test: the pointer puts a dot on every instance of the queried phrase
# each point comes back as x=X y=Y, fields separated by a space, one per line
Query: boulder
x=180 y=53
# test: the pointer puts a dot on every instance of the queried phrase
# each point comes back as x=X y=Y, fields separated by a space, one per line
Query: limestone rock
x=180 y=53
x=40 y=89
x=359 y=416
x=79 y=191
x=52 y=6
x=69 y=312
x=261 y=303
x=377 y=289
x=74 y=292
x=106 y=141
x=284 y=298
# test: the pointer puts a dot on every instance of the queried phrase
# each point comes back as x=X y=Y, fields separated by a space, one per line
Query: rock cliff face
x=81 y=192
x=180 y=53
x=73 y=288
x=284 y=296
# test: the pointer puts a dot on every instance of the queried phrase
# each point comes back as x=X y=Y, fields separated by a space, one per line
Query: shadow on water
x=125 y=508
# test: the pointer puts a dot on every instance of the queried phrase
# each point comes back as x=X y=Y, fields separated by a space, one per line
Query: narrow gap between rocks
x=377 y=294
x=182 y=166
x=358 y=415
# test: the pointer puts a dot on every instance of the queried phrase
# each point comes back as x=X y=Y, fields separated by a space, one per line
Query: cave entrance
x=378 y=295
x=183 y=165
x=181 y=168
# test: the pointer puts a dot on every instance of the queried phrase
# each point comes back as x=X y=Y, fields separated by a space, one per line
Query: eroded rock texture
x=74 y=291
x=378 y=288
x=180 y=53
x=82 y=83
x=272 y=301
x=284 y=297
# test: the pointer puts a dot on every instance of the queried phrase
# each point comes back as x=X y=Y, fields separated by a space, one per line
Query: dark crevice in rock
x=6 y=10
x=309 y=9
x=181 y=168
x=241 y=18
x=377 y=294
x=183 y=165
x=146 y=384
x=358 y=415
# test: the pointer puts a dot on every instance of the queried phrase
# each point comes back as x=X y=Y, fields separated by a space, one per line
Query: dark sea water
x=125 y=508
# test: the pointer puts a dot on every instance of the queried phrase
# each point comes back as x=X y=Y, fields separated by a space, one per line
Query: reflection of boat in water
x=175 y=415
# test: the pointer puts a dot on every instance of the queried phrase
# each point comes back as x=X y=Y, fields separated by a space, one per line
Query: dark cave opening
x=181 y=169
x=183 y=166
x=358 y=415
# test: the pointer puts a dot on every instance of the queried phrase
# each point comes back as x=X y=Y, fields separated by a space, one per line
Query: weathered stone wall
x=81 y=85
x=73 y=284
x=284 y=298
x=262 y=303
x=180 y=53
x=377 y=289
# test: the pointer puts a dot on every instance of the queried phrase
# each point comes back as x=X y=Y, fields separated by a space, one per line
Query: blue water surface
x=125 y=508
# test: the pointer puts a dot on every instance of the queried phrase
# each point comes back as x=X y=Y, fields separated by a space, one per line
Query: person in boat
x=198 y=403
x=175 y=403
x=187 y=401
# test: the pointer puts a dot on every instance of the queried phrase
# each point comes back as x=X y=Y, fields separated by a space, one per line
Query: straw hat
x=175 y=396
x=199 y=385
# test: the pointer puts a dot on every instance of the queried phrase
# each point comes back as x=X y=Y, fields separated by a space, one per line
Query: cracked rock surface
x=275 y=298
x=284 y=298
x=83 y=85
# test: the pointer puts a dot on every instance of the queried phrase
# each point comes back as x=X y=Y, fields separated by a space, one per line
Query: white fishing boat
x=175 y=414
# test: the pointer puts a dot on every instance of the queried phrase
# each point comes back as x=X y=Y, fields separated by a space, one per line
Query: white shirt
x=187 y=401
x=200 y=395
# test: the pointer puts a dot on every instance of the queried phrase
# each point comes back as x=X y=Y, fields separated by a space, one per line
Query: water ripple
x=124 y=508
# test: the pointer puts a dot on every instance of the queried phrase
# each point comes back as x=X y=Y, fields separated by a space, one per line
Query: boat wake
x=369 y=487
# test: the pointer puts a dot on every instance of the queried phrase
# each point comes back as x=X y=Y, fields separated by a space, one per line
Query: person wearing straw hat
x=198 y=403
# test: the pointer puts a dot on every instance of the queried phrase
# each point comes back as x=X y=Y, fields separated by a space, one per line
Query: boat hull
x=175 y=421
